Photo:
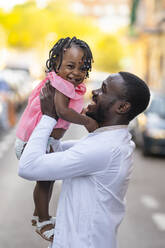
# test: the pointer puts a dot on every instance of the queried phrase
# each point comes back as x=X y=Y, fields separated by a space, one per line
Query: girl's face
x=72 y=67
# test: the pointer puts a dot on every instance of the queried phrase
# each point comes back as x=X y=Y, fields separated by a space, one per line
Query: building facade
x=148 y=23
x=110 y=15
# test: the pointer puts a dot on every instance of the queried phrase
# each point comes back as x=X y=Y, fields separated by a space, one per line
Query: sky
x=107 y=22
x=7 y=5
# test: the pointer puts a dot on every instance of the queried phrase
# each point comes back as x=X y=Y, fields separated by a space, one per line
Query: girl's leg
x=43 y=189
x=42 y=195
x=51 y=190
x=35 y=196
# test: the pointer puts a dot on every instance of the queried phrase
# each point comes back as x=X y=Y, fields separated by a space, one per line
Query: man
x=95 y=170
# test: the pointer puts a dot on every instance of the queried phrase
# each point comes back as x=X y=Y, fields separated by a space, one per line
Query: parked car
x=7 y=108
x=148 y=129
x=1 y=111
x=20 y=83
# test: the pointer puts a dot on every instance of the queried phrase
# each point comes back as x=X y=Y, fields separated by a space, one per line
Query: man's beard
x=99 y=115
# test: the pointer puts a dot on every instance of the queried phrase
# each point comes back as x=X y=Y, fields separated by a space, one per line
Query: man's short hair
x=136 y=92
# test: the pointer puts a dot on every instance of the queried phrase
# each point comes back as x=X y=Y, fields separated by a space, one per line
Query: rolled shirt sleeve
x=81 y=159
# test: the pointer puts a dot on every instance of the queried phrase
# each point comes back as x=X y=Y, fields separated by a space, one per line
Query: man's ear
x=123 y=107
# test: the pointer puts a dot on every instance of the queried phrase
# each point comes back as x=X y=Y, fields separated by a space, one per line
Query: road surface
x=144 y=223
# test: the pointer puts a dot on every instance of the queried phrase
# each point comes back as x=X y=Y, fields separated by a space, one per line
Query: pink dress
x=32 y=113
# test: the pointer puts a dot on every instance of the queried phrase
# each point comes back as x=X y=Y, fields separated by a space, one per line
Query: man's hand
x=47 y=101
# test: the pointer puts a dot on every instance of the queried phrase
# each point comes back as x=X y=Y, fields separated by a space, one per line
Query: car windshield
x=157 y=106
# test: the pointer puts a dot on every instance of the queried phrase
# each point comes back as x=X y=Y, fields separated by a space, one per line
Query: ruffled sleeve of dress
x=66 y=87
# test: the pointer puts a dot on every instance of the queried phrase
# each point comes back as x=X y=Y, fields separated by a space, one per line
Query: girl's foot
x=46 y=230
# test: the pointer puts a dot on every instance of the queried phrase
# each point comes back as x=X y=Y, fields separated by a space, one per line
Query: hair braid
x=57 y=53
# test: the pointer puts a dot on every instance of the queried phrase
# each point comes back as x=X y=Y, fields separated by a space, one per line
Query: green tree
x=108 y=53
x=27 y=26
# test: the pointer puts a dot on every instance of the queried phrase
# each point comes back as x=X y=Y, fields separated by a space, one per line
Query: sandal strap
x=43 y=223
x=34 y=218
x=53 y=220
x=48 y=234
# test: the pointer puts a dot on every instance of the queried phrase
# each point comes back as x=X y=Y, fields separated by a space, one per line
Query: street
x=144 y=223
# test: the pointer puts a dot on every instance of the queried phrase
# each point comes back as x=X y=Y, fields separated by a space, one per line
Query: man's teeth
x=92 y=103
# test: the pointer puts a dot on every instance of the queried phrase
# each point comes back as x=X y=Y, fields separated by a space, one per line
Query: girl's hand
x=91 y=125
x=83 y=112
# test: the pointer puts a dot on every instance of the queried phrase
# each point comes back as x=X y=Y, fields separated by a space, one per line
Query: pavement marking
x=150 y=202
x=159 y=220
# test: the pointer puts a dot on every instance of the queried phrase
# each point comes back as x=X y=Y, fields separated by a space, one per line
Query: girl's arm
x=68 y=114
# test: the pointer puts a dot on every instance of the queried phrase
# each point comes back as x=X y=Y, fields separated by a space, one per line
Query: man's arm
x=65 y=145
x=80 y=160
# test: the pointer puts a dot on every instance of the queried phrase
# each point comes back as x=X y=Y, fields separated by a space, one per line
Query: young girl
x=68 y=65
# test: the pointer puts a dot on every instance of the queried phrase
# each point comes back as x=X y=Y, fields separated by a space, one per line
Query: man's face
x=105 y=98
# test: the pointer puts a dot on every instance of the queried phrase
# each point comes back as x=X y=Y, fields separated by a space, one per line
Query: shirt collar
x=108 y=128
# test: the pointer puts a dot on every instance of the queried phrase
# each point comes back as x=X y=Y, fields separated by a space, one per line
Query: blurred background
x=126 y=35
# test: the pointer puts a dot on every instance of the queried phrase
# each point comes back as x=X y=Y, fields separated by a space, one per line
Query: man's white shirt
x=95 y=172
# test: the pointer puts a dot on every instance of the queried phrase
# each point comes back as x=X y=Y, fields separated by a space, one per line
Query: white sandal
x=34 y=220
x=46 y=234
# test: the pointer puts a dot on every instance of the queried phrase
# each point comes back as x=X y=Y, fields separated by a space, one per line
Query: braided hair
x=56 y=54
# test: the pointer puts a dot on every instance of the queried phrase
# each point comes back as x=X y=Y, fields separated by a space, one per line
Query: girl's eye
x=70 y=66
